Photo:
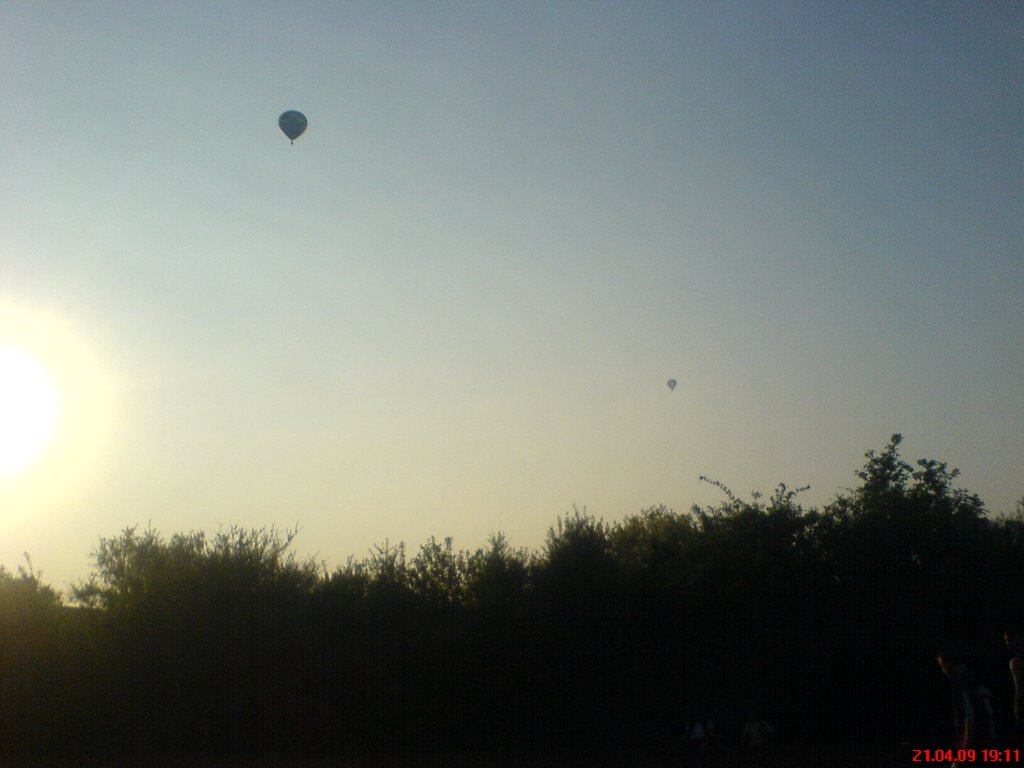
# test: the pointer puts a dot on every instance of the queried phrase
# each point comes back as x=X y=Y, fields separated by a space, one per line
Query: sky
x=452 y=306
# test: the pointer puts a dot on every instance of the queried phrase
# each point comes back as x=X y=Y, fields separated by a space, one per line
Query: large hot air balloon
x=671 y=383
x=292 y=124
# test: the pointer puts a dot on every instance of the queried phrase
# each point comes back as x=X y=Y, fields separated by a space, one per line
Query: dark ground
x=816 y=757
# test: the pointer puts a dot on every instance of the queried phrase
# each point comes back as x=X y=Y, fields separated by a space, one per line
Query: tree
x=30 y=662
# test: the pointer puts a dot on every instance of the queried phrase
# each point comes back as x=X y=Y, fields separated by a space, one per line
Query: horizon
x=755 y=498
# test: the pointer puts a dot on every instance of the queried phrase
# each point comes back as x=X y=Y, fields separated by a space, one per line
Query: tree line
x=825 y=621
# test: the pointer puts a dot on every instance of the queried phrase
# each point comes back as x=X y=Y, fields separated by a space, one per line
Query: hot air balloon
x=292 y=124
x=671 y=383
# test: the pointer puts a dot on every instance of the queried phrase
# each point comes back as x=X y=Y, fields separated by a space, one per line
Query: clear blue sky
x=452 y=306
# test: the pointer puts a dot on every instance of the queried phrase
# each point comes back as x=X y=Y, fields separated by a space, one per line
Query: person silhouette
x=756 y=731
x=1015 y=645
x=965 y=719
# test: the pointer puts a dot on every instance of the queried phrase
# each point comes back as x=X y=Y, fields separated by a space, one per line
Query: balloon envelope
x=671 y=383
x=292 y=124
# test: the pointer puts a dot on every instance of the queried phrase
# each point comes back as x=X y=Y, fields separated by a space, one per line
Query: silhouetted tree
x=30 y=661
x=825 y=620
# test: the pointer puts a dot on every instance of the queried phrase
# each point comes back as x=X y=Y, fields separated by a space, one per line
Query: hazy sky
x=452 y=306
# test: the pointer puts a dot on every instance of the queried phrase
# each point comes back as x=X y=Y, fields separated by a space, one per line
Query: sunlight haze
x=451 y=307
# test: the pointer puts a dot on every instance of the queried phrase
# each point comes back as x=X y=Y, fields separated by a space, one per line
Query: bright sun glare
x=56 y=406
x=28 y=409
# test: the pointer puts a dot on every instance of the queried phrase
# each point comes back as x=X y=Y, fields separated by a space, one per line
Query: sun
x=29 y=406
x=58 y=402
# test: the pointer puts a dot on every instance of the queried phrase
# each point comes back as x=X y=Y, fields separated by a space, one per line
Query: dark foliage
x=609 y=638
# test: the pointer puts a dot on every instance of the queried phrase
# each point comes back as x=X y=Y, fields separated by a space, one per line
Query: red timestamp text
x=964 y=756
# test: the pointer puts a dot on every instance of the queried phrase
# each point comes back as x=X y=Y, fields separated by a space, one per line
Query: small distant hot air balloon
x=671 y=383
x=292 y=124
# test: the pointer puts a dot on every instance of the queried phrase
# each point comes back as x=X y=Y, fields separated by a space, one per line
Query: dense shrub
x=613 y=634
